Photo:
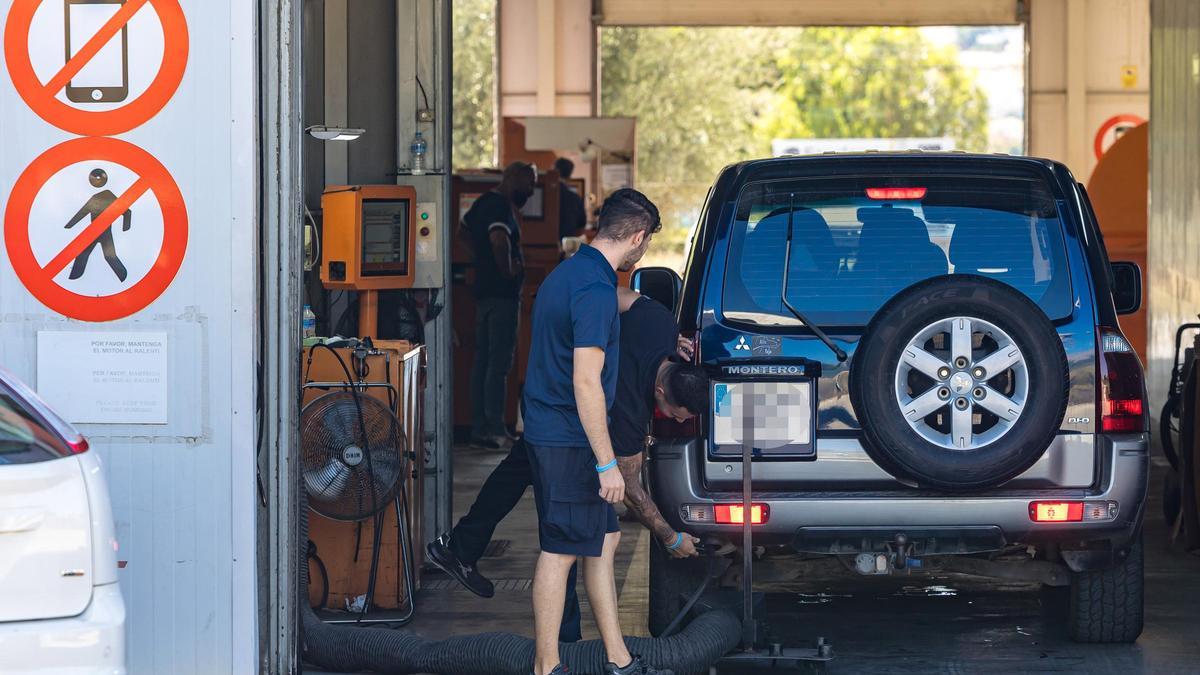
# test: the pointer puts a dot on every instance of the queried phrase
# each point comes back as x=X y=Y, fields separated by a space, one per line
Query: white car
x=61 y=609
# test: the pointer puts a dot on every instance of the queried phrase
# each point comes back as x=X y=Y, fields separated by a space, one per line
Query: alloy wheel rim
x=961 y=383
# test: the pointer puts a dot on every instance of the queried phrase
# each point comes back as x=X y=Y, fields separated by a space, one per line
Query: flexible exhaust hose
x=340 y=648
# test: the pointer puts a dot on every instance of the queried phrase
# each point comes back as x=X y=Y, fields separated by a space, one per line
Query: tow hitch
x=898 y=557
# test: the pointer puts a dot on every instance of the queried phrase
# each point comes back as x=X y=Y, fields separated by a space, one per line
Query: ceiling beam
x=807 y=12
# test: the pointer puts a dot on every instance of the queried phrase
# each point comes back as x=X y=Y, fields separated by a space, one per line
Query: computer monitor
x=535 y=208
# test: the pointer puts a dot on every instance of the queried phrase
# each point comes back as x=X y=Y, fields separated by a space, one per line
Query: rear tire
x=672 y=580
x=1107 y=606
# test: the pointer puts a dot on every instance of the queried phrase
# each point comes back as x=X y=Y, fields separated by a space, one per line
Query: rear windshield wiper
x=787 y=264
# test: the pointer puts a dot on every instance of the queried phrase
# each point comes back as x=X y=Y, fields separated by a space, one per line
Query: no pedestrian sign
x=96 y=193
x=96 y=67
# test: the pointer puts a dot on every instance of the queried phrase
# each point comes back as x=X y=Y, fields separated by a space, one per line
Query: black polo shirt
x=572 y=217
x=492 y=211
x=648 y=335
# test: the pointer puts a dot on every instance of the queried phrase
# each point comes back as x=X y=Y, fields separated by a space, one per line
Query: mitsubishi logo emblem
x=741 y=344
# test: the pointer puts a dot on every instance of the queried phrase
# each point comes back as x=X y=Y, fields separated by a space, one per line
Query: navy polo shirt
x=576 y=306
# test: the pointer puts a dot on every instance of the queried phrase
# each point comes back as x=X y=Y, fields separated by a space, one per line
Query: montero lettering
x=764 y=370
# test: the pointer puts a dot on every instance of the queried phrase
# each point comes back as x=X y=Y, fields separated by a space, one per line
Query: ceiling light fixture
x=324 y=133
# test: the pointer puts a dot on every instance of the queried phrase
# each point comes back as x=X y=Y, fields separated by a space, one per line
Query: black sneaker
x=441 y=555
x=560 y=669
x=635 y=667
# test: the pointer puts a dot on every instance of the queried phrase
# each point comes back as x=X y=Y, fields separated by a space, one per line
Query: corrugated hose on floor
x=341 y=648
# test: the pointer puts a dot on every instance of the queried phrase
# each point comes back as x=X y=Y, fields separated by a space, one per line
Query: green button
x=424 y=215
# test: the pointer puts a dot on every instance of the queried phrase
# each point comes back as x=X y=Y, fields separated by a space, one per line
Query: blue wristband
x=606 y=467
x=678 y=541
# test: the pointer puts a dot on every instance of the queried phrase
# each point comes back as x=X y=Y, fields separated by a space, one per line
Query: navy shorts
x=572 y=517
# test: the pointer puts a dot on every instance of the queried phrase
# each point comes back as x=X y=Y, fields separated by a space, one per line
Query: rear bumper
x=92 y=643
x=1123 y=472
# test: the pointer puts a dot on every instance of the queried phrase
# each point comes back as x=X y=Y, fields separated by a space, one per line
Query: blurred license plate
x=781 y=416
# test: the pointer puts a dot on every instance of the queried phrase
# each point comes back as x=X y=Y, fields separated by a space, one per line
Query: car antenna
x=787 y=263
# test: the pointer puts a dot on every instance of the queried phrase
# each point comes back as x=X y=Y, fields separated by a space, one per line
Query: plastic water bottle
x=310 y=322
x=417 y=149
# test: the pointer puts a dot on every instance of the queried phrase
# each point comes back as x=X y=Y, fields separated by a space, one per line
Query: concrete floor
x=943 y=624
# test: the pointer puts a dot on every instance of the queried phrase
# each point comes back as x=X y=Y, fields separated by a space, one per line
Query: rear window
x=23 y=438
x=857 y=241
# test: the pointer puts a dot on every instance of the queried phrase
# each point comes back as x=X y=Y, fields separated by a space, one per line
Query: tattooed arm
x=643 y=508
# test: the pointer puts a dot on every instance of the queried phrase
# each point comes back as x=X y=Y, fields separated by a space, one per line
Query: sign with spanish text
x=98 y=377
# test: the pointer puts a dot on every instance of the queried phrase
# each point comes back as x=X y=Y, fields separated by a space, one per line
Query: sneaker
x=635 y=667
x=441 y=555
x=560 y=669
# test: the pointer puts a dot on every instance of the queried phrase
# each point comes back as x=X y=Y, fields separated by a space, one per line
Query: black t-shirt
x=571 y=215
x=490 y=211
x=648 y=335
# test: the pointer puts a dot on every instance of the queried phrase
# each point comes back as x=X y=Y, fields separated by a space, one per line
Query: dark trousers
x=495 y=345
x=499 y=495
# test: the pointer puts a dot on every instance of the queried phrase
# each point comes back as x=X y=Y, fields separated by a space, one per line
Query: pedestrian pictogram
x=96 y=67
x=68 y=203
x=95 y=207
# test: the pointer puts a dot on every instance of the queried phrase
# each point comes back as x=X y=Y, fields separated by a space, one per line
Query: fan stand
x=401 y=506
x=400 y=503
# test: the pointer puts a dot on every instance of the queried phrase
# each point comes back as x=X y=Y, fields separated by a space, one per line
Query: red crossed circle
x=39 y=279
x=41 y=97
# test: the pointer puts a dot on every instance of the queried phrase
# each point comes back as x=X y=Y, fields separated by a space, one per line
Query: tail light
x=664 y=427
x=725 y=514
x=1122 y=386
x=896 y=193
x=1056 y=512
x=735 y=514
x=1073 y=512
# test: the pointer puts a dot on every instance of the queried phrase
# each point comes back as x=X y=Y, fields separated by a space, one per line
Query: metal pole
x=749 y=629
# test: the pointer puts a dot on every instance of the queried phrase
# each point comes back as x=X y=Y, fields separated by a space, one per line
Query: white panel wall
x=183 y=492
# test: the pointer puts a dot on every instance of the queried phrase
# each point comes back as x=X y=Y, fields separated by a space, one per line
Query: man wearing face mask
x=495 y=236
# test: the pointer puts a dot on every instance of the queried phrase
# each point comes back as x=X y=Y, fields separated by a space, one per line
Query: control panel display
x=385 y=237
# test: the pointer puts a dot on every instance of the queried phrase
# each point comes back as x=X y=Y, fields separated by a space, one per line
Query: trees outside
x=708 y=97
x=873 y=83
x=692 y=93
x=474 y=83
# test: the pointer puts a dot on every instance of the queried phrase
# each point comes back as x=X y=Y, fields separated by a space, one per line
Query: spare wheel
x=960 y=382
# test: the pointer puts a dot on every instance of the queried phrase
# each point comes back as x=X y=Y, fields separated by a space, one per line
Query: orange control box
x=367 y=237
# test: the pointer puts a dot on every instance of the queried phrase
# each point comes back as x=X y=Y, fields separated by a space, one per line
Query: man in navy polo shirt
x=569 y=388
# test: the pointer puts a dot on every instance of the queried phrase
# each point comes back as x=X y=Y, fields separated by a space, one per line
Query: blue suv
x=922 y=352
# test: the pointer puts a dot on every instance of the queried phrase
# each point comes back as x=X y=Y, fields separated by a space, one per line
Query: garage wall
x=182 y=486
x=546 y=53
x=1174 y=220
x=1079 y=51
